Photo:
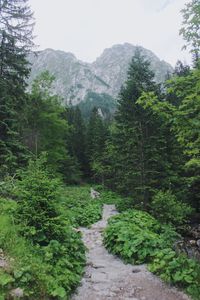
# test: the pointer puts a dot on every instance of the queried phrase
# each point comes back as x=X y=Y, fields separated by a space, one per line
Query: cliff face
x=75 y=79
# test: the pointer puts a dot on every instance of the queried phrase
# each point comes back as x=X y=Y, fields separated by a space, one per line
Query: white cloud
x=87 y=27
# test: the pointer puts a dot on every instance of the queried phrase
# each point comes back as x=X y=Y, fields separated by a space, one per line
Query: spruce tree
x=138 y=146
x=15 y=43
x=97 y=134
x=76 y=137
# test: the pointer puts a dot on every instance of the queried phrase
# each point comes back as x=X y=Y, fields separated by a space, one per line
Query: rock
x=136 y=270
x=94 y=194
x=17 y=293
x=74 y=78
x=192 y=242
x=198 y=243
x=3 y=264
x=99 y=277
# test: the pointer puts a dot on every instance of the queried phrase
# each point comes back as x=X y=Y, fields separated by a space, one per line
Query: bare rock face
x=112 y=65
x=75 y=79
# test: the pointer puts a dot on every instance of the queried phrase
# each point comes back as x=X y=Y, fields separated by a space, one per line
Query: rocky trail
x=107 y=277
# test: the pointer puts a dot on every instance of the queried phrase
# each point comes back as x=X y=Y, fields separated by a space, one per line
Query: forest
x=145 y=159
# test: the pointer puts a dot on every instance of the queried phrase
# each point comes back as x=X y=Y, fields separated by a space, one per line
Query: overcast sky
x=87 y=27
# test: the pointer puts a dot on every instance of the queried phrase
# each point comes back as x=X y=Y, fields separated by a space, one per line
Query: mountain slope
x=75 y=79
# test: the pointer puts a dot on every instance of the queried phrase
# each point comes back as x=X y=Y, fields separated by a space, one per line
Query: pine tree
x=97 y=135
x=76 y=138
x=15 y=43
x=138 y=145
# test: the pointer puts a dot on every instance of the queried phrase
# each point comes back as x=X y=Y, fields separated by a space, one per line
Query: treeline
x=153 y=142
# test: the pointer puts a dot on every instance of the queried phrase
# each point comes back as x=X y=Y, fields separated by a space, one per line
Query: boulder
x=94 y=194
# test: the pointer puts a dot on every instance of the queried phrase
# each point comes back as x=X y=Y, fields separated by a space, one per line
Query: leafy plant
x=53 y=257
x=166 y=208
x=79 y=208
x=177 y=269
x=37 y=195
x=136 y=236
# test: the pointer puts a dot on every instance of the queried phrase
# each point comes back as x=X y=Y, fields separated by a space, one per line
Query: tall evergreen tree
x=97 y=134
x=76 y=138
x=15 y=43
x=138 y=144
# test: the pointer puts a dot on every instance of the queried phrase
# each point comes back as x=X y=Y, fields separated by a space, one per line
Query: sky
x=87 y=27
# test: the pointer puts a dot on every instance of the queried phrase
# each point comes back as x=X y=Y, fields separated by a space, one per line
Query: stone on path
x=108 y=278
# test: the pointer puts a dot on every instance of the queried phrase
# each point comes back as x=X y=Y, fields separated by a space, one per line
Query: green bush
x=166 y=208
x=136 y=236
x=79 y=208
x=177 y=269
x=121 y=203
x=130 y=242
x=46 y=256
x=37 y=196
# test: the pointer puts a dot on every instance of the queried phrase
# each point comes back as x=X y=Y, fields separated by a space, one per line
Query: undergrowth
x=79 y=208
x=137 y=238
x=45 y=255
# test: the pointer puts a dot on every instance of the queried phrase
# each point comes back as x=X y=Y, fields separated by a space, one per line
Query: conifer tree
x=97 y=134
x=15 y=43
x=76 y=138
x=138 y=144
x=186 y=126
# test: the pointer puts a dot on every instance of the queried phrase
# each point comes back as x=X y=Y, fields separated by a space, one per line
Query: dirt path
x=107 y=277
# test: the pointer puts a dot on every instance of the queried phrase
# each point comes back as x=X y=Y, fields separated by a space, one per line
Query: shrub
x=166 y=208
x=79 y=208
x=46 y=256
x=37 y=196
x=177 y=269
x=136 y=236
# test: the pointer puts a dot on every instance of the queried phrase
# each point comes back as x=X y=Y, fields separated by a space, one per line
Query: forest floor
x=107 y=277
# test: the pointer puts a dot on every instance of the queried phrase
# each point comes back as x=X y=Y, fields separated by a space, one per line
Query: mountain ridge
x=74 y=79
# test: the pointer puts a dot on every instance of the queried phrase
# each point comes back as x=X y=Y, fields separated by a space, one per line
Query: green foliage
x=103 y=101
x=97 y=135
x=15 y=42
x=76 y=137
x=136 y=236
x=78 y=207
x=46 y=128
x=110 y=197
x=191 y=27
x=167 y=209
x=177 y=269
x=186 y=125
x=49 y=262
x=37 y=195
x=134 y=156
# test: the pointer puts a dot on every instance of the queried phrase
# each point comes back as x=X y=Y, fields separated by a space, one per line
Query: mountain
x=79 y=82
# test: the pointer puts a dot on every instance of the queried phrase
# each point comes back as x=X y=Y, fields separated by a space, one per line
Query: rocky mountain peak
x=75 y=79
